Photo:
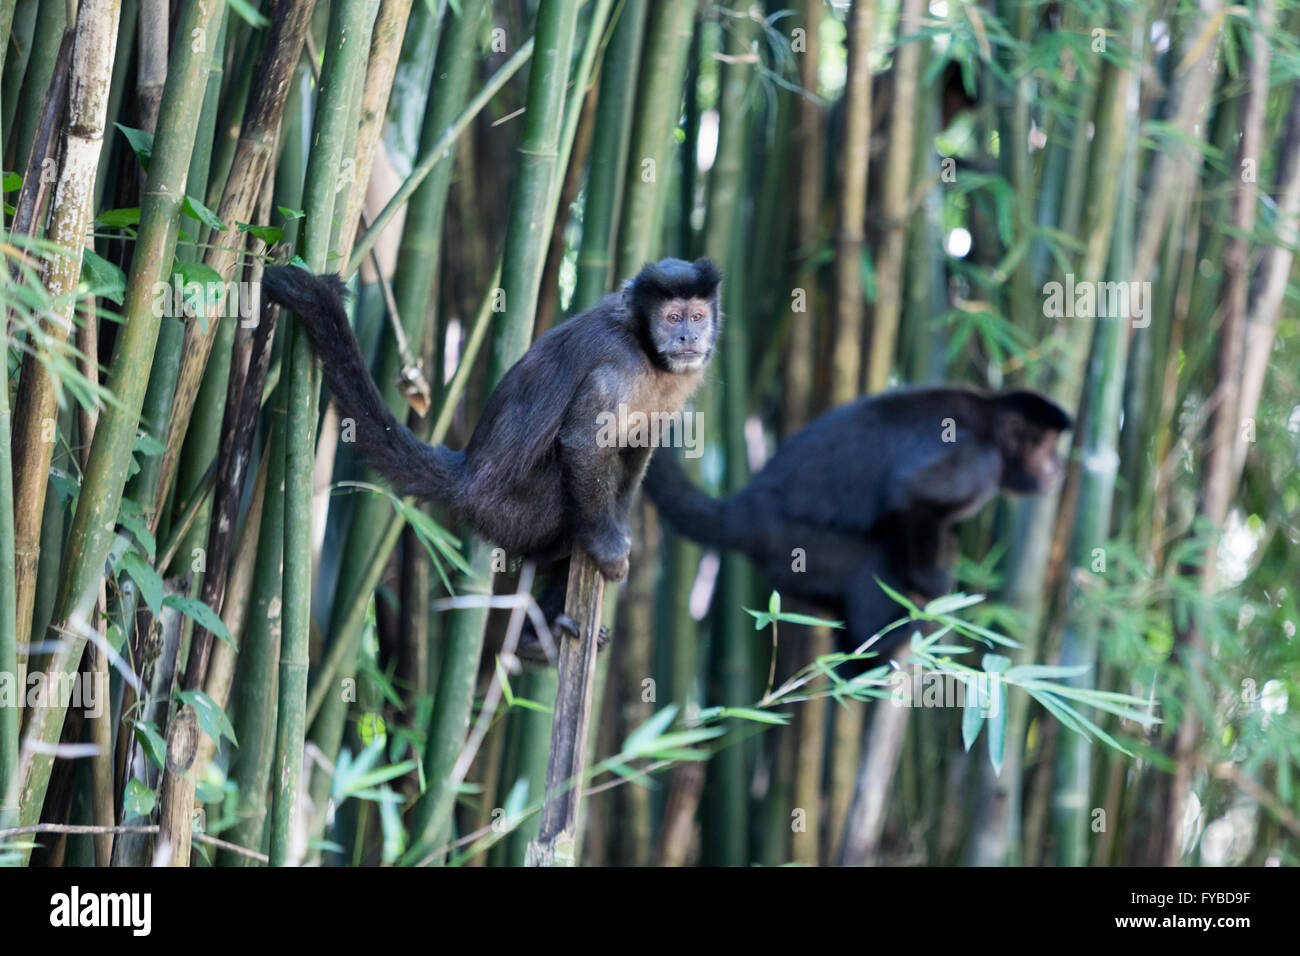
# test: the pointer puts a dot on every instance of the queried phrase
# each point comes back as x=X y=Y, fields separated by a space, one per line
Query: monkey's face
x=683 y=333
x=1030 y=461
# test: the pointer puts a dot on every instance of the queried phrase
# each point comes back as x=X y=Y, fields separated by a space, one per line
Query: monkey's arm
x=592 y=473
x=388 y=446
x=949 y=485
x=928 y=551
x=868 y=609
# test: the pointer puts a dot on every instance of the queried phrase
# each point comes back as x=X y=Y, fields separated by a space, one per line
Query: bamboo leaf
x=199 y=612
x=212 y=719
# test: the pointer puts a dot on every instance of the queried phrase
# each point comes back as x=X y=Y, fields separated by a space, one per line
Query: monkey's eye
x=674 y=317
x=697 y=316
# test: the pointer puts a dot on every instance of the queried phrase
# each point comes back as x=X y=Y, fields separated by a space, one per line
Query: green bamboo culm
x=524 y=256
x=644 y=198
x=256 y=705
x=8 y=592
x=1104 y=396
x=42 y=61
x=412 y=290
x=667 y=31
x=533 y=759
x=440 y=153
x=532 y=203
x=94 y=523
x=348 y=42
x=614 y=113
x=723 y=241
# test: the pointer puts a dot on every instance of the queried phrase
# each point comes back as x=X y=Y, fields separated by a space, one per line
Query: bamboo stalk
x=92 y=531
x=8 y=590
x=897 y=197
x=614 y=115
x=556 y=842
x=21 y=27
x=420 y=245
x=381 y=66
x=644 y=197
x=724 y=241
x=127 y=22
x=559 y=836
x=1265 y=306
x=6 y=24
x=846 y=362
x=234 y=433
x=243 y=186
x=348 y=44
x=95 y=667
x=847 y=336
x=1104 y=389
x=151 y=63
x=255 y=716
x=1225 y=422
x=797 y=393
x=42 y=64
x=35 y=406
x=668 y=30
x=527 y=233
x=440 y=152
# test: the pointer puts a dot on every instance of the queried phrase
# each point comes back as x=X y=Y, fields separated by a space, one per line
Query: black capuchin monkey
x=535 y=475
x=871 y=490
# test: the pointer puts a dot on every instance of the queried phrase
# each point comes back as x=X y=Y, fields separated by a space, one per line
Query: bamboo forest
x=649 y=433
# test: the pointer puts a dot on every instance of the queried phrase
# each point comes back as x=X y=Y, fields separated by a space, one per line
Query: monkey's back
x=515 y=476
x=840 y=471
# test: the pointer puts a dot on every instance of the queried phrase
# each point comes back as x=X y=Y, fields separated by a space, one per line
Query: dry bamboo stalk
x=35 y=411
x=557 y=840
x=151 y=63
x=809 y=738
x=1218 y=481
x=810 y=134
x=243 y=186
x=385 y=45
x=897 y=199
x=101 y=730
x=1265 y=306
x=1174 y=169
x=846 y=361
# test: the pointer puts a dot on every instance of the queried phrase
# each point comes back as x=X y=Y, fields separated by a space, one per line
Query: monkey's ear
x=707 y=277
x=1036 y=409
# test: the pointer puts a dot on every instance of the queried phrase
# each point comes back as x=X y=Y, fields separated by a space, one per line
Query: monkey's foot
x=570 y=627
x=530 y=646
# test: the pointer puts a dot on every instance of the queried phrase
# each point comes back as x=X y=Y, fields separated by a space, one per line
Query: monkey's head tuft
x=675 y=305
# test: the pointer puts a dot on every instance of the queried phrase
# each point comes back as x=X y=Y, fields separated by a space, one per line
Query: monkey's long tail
x=411 y=466
x=715 y=522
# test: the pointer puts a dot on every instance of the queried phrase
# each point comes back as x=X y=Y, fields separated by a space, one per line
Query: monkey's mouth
x=687 y=356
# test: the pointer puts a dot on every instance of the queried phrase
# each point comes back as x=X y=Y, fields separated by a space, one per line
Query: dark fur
x=869 y=490
x=532 y=478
